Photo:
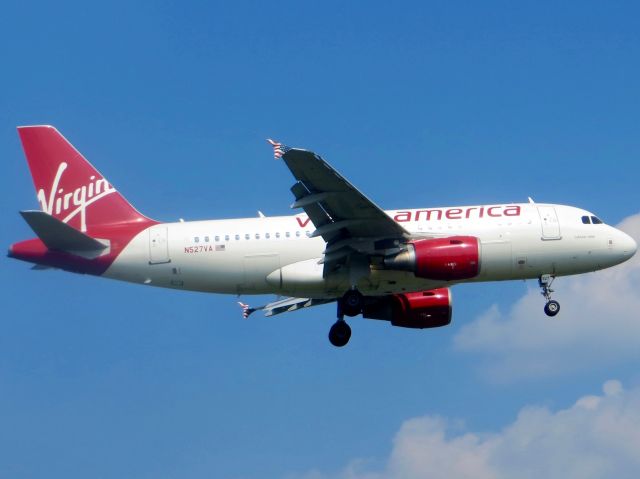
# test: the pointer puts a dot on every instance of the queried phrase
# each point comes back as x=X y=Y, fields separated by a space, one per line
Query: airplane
x=396 y=266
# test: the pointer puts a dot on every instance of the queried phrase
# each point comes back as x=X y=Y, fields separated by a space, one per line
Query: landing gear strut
x=351 y=305
x=552 y=307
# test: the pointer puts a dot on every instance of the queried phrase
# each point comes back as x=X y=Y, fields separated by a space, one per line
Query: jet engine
x=449 y=259
x=426 y=309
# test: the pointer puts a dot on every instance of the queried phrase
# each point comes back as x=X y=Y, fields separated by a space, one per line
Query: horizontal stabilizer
x=59 y=236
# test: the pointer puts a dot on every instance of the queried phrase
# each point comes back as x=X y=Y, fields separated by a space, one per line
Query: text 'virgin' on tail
x=68 y=187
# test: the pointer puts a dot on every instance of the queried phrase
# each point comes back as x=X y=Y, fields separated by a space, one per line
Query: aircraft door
x=158 y=245
x=550 y=223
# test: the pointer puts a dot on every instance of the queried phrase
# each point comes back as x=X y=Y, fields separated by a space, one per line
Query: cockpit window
x=596 y=220
x=585 y=220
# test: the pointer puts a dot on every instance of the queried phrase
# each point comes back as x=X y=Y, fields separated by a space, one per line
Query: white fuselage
x=276 y=255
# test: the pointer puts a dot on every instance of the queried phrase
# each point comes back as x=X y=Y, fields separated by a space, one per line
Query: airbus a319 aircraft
x=395 y=266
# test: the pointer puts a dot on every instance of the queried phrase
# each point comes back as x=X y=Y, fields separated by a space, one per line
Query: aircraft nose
x=627 y=245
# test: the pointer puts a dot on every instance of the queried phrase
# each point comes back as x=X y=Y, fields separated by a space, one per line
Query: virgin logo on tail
x=57 y=202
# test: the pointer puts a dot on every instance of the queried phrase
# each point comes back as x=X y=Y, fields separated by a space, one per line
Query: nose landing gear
x=552 y=307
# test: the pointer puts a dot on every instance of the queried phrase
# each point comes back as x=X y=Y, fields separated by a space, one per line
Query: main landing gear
x=552 y=307
x=350 y=305
x=340 y=333
x=352 y=302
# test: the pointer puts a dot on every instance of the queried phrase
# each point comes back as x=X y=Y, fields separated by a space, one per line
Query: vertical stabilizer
x=68 y=187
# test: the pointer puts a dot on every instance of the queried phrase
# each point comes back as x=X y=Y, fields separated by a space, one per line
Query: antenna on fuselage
x=531 y=200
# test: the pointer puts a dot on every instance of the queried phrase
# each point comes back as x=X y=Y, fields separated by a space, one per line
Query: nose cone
x=627 y=245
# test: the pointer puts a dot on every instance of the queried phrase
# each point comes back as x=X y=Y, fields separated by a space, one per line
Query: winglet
x=278 y=148
x=246 y=310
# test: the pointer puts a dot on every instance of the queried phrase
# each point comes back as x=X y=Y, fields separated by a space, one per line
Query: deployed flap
x=59 y=236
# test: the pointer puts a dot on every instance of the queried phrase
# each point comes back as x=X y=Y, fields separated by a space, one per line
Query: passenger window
x=206 y=239
x=298 y=234
x=596 y=220
x=247 y=236
x=267 y=236
x=277 y=235
x=217 y=238
x=308 y=233
x=226 y=237
x=257 y=235
x=237 y=237
x=287 y=234
x=197 y=239
x=585 y=220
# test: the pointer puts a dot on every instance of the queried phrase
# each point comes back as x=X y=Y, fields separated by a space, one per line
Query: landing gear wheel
x=552 y=308
x=340 y=333
x=352 y=302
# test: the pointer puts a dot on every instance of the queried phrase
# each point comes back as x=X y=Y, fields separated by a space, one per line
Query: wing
x=284 y=305
x=352 y=225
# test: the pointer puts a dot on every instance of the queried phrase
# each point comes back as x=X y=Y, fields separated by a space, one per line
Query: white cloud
x=599 y=324
x=597 y=437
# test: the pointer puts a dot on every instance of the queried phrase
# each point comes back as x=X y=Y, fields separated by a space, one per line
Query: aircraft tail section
x=68 y=187
x=84 y=223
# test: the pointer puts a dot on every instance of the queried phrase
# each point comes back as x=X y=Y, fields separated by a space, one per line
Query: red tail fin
x=68 y=186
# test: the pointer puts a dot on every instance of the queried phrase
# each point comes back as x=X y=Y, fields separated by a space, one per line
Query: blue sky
x=418 y=104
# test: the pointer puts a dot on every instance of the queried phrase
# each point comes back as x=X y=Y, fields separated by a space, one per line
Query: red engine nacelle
x=426 y=309
x=449 y=259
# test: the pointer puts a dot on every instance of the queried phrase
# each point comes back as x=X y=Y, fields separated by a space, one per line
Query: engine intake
x=426 y=309
x=449 y=259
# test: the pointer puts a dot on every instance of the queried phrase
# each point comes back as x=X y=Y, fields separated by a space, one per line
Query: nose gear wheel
x=552 y=307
